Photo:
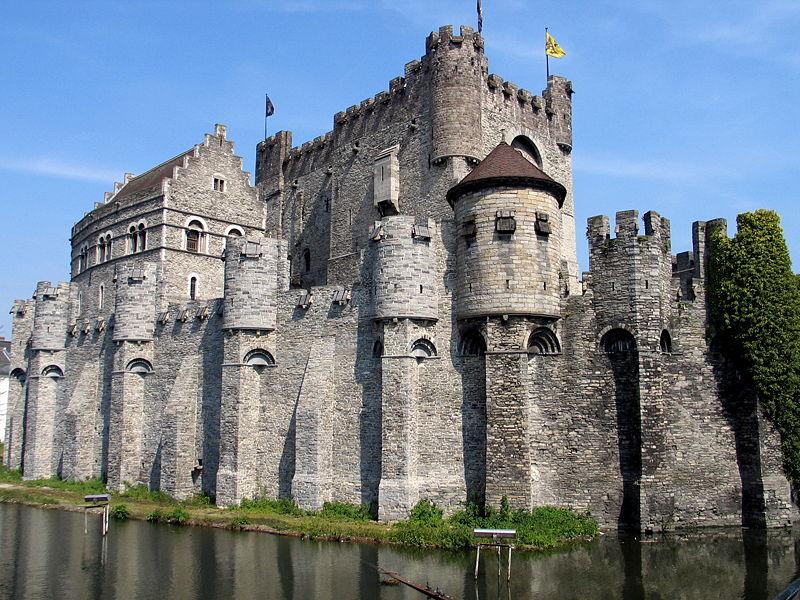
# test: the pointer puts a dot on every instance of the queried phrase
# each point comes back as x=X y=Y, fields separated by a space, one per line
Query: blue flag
x=270 y=107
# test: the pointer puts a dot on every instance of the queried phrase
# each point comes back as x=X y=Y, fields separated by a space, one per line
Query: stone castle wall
x=347 y=342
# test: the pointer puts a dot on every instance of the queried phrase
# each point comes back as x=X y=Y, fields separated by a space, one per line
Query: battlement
x=656 y=228
x=444 y=39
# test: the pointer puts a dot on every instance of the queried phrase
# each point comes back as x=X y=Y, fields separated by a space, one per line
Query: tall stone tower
x=508 y=215
x=134 y=324
x=251 y=285
x=406 y=306
x=45 y=376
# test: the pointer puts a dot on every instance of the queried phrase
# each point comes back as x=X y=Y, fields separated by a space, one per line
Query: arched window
x=423 y=348
x=193 y=288
x=195 y=236
x=19 y=376
x=133 y=240
x=83 y=259
x=142 y=235
x=543 y=341
x=377 y=349
x=528 y=149
x=617 y=340
x=472 y=343
x=108 y=246
x=53 y=372
x=140 y=366
x=101 y=297
x=307 y=260
x=665 y=342
x=259 y=358
x=234 y=232
x=100 y=257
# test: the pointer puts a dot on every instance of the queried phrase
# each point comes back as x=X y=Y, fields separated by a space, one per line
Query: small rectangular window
x=505 y=225
x=421 y=231
x=468 y=229
x=219 y=184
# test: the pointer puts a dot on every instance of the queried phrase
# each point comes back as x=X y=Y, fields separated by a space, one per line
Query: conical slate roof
x=506 y=166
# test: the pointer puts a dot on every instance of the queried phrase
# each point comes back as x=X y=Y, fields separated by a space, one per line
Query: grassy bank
x=540 y=529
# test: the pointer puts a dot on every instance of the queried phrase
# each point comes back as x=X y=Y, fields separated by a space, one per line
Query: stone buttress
x=250 y=309
x=134 y=325
x=45 y=378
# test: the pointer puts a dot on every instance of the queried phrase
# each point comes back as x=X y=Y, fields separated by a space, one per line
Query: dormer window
x=219 y=184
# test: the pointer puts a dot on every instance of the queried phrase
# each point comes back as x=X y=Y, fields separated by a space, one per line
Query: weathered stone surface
x=342 y=351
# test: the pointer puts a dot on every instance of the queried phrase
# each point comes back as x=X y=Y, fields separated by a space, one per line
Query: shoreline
x=314 y=526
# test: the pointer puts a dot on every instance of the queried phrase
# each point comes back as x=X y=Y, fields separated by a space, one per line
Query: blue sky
x=687 y=108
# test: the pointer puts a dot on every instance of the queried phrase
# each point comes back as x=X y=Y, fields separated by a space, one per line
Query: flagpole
x=266 y=104
x=546 y=55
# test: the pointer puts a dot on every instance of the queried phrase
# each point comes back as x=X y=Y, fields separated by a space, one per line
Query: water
x=45 y=554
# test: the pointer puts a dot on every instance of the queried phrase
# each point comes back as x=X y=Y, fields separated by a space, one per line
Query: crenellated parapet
x=631 y=274
x=458 y=69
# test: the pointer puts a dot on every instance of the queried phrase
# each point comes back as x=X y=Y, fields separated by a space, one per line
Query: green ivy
x=754 y=299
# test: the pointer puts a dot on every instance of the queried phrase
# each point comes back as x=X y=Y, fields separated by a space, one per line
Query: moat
x=45 y=554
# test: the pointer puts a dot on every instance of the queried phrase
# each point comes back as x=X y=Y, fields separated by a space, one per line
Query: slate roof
x=506 y=166
x=152 y=177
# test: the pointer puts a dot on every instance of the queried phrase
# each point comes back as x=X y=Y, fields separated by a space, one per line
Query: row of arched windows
x=620 y=340
x=137 y=238
x=195 y=241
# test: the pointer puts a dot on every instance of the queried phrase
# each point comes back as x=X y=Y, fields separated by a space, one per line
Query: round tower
x=508 y=215
x=458 y=68
x=50 y=317
x=251 y=283
x=405 y=269
x=135 y=303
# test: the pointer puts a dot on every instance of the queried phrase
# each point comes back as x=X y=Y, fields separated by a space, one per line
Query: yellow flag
x=551 y=47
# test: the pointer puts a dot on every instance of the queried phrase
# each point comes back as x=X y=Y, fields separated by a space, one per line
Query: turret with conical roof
x=508 y=215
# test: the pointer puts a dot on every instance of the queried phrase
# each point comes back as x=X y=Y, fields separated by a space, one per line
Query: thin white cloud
x=649 y=169
x=55 y=168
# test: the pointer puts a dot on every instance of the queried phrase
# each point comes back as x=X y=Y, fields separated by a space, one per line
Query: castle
x=393 y=312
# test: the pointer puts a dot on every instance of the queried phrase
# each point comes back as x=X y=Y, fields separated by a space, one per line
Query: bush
x=178 y=516
x=544 y=527
x=120 y=511
x=155 y=516
x=345 y=511
x=240 y=522
x=426 y=511
x=199 y=501
x=10 y=475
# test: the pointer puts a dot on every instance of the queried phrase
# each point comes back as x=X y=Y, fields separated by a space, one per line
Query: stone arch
x=543 y=340
x=19 y=375
x=422 y=348
x=140 y=366
x=259 y=358
x=617 y=340
x=528 y=149
x=473 y=343
x=53 y=372
x=665 y=342
x=195 y=234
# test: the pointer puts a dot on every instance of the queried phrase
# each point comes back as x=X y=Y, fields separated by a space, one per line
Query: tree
x=754 y=299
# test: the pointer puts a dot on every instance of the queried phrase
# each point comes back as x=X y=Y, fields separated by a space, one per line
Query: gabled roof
x=152 y=177
x=506 y=166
